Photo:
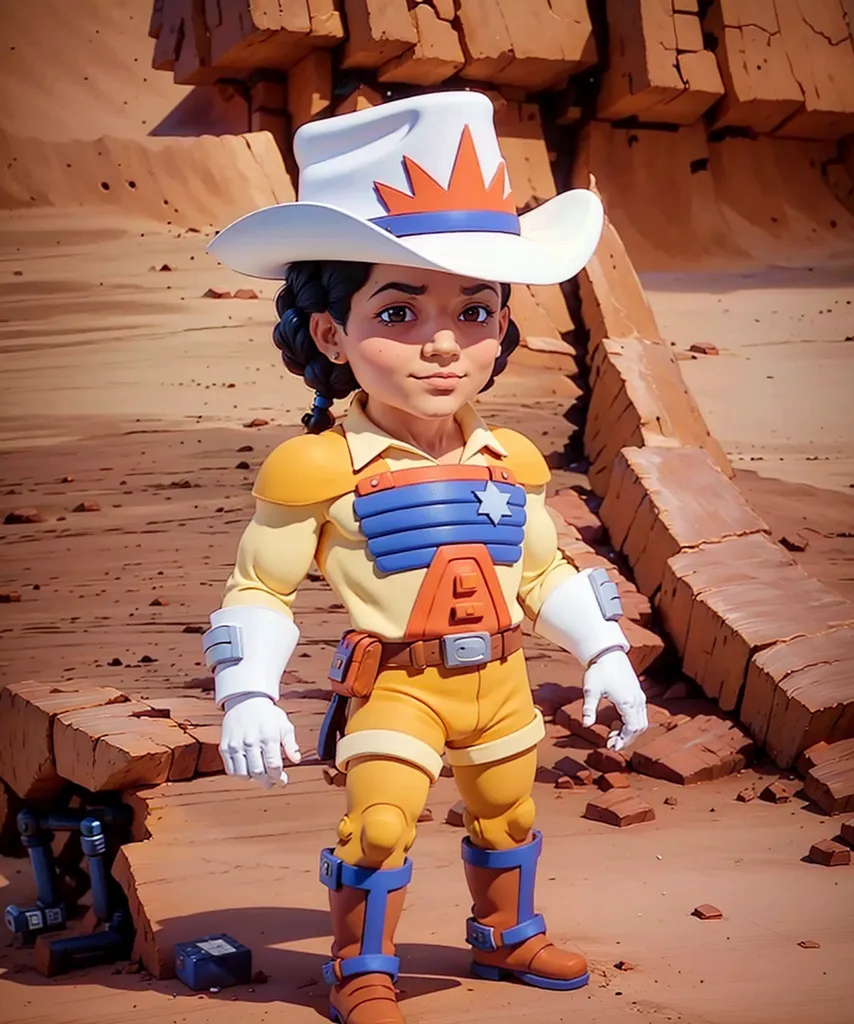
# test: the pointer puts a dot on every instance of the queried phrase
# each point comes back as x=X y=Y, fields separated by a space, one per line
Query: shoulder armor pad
x=306 y=469
x=524 y=458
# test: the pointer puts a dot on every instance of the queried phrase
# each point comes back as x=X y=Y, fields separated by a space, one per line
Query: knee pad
x=384 y=830
x=516 y=822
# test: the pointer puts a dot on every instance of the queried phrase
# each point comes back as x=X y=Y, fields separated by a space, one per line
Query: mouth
x=441 y=375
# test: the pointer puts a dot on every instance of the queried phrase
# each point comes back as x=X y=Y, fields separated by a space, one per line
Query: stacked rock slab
x=94 y=737
x=658 y=67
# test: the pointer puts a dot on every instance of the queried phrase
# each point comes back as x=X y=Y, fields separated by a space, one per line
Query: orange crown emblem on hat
x=466 y=189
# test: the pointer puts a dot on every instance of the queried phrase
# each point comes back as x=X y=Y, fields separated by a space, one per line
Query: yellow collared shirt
x=304 y=514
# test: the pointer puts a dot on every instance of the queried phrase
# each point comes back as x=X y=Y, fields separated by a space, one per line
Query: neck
x=435 y=437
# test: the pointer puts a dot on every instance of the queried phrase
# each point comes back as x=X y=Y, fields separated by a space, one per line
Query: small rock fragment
x=67 y=480
x=194 y=629
x=10 y=596
x=243 y=464
x=257 y=422
x=603 y=760
x=809 y=944
x=744 y=796
x=704 y=348
x=564 y=782
x=620 y=808
x=425 y=815
x=246 y=293
x=829 y=853
x=671 y=801
x=625 y=965
x=158 y=602
x=613 y=780
x=24 y=515
x=332 y=777
x=216 y=293
x=776 y=793
x=260 y=978
x=455 y=815
x=706 y=912
x=246 y=448
x=115 y=662
x=164 y=267
x=87 y=506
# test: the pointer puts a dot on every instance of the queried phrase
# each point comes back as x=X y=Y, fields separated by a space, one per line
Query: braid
x=317 y=287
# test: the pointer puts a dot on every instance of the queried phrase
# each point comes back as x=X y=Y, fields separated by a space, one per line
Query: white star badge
x=493 y=503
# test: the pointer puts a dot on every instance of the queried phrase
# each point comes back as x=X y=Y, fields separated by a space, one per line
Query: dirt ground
x=119 y=376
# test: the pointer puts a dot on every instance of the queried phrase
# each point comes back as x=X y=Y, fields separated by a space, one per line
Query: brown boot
x=365 y=904
x=508 y=938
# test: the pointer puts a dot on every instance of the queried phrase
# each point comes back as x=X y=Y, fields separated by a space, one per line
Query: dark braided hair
x=328 y=286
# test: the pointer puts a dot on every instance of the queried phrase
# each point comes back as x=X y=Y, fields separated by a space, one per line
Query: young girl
x=430 y=527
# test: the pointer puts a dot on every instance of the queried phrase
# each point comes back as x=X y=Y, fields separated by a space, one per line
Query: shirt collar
x=366 y=440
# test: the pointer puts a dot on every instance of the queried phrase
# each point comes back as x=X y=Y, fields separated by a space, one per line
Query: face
x=420 y=341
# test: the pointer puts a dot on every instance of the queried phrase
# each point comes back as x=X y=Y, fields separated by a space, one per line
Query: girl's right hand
x=254 y=732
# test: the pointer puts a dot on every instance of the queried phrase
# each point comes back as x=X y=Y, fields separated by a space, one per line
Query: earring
x=335 y=356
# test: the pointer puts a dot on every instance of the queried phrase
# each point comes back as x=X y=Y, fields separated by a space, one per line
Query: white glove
x=613 y=677
x=254 y=730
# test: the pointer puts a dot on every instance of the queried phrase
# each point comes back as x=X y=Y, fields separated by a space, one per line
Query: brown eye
x=476 y=314
x=396 y=315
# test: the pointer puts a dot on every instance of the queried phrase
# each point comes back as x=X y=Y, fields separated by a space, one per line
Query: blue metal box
x=213 y=962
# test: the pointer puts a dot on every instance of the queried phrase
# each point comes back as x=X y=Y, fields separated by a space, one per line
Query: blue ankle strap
x=528 y=923
x=377 y=883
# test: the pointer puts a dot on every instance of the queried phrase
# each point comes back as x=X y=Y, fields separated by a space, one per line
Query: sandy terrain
x=131 y=398
x=122 y=385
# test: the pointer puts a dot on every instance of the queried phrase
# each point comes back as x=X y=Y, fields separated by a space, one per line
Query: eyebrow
x=482 y=287
x=420 y=289
x=399 y=286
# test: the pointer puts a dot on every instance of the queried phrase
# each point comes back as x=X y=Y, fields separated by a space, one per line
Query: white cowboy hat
x=417 y=182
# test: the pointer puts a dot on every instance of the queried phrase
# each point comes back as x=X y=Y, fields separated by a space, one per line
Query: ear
x=503 y=322
x=326 y=334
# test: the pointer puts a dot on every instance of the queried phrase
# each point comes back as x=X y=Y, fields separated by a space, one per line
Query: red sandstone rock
x=309 y=88
x=744 y=796
x=613 y=780
x=455 y=815
x=377 y=30
x=10 y=596
x=761 y=89
x=846 y=830
x=776 y=793
x=800 y=692
x=829 y=854
x=425 y=815
x=332 y=777
x=216 y=293
x=436 y=56
x=607 y=761
x=245 y=293
x=23 y=515
x=699 y=750
x=28 y=709
x=569 y=717
x=809 y=944
x=619 y=808
x=830 y=783
x=706 y=912
x=87 y=506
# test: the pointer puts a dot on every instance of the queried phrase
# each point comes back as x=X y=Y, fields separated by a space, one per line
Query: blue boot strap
x=524 y=856
x=335 y=873
x=482 y=937
x=336 y=971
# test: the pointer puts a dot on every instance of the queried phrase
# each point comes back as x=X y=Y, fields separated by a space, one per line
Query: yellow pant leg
x=499 y=809
x=385 y=798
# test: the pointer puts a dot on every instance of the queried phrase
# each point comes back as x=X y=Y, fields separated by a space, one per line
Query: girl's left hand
x=613 y=677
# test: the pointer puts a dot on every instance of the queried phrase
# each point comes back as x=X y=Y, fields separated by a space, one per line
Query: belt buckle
x=460 y=650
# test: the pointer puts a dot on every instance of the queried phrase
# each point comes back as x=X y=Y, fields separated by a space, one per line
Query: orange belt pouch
x=355 y=664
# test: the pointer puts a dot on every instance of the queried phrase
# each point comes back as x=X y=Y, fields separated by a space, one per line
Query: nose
x=443 y=345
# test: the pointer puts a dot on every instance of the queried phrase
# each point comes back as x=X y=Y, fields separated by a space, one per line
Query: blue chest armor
x=406 y=525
